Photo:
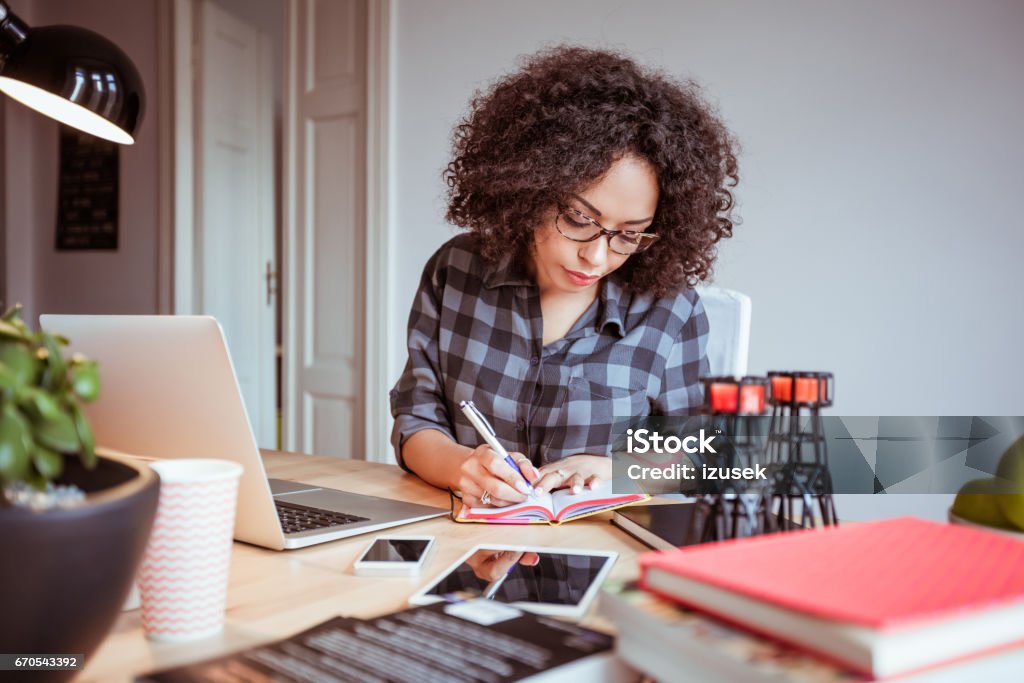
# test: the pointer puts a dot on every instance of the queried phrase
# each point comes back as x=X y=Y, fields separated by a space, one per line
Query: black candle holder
x=734 y=508
x=797 y=450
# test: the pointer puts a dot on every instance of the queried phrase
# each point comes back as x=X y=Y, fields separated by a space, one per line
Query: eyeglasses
x=579 y=227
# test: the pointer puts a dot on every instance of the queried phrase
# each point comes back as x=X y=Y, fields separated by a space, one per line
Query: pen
x=492 y=588
x=487 y=432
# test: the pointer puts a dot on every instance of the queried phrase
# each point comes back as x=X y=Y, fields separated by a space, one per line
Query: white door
x=234 y=195
x=325 y=217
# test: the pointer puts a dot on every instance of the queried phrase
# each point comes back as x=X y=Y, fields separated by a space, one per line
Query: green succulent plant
x=41 y=392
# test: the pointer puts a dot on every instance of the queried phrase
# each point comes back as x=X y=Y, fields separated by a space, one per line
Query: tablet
x=554 y=581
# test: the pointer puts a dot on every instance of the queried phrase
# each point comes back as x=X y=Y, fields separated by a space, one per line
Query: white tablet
x=555 y=581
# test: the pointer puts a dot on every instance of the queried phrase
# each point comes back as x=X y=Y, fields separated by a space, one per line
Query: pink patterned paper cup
x=183 y=577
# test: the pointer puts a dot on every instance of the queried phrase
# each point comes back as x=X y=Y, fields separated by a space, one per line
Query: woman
x=594 y=193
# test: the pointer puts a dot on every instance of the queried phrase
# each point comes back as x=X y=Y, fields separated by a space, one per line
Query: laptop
x=168 y=390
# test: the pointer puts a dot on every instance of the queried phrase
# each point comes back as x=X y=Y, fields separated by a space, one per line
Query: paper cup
x=183 y=578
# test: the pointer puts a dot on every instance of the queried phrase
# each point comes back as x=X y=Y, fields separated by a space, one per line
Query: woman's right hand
x=484 y=470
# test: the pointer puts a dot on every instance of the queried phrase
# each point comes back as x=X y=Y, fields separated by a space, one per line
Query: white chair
x=728 y=314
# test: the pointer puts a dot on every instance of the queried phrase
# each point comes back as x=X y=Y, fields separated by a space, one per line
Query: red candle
x=807 y=389
x=782 y=388
x=724 y=397
x=752 y=398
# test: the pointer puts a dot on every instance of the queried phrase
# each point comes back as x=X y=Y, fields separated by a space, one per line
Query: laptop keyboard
x=295 y=518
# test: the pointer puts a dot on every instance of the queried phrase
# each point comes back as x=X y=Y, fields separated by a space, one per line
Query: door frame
x=177 y=280
x=4 y=303
x=379 y=240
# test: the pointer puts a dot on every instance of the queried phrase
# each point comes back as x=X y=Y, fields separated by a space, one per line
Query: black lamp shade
x=77 y=77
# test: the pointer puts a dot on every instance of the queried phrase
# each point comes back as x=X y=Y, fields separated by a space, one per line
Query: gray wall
x=881 y=150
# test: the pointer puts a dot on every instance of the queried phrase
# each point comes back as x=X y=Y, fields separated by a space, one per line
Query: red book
x=885 y=598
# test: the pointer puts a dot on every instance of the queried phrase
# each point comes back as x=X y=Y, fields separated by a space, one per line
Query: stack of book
x=900 y=598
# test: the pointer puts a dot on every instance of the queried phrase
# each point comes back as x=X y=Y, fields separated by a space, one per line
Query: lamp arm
x=13 y=32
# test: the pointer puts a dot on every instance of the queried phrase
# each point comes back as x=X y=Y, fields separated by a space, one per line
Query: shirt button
x=521 y=425
x=534 y=360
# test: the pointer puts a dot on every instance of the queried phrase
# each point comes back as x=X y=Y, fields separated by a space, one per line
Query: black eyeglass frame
x=646 y=238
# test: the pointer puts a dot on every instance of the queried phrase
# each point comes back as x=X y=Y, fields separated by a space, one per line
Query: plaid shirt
x=475 y=333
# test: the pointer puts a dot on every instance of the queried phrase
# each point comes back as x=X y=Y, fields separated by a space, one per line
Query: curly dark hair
x=553 y=128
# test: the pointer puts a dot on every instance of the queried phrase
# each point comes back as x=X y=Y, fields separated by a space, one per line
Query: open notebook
x=553 y=508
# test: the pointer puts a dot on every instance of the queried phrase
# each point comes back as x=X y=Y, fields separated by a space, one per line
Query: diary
x=553 y=508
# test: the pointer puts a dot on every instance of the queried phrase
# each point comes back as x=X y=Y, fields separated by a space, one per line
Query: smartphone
x=395 y=556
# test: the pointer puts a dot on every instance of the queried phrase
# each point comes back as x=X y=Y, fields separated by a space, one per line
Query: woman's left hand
x=574 y=473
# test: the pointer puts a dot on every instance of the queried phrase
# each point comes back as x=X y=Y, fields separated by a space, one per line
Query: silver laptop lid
x=168 y=390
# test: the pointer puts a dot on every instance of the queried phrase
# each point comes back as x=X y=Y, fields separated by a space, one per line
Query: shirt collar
x=612 y=304
x=507 y=272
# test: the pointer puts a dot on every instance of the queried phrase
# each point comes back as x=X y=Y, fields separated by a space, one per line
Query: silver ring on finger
x=485 y=497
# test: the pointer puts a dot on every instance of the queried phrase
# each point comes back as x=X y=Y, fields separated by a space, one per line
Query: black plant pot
x=65 y=574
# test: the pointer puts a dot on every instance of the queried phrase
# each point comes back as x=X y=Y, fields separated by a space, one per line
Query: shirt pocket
x=589 y=413
x=590 y=402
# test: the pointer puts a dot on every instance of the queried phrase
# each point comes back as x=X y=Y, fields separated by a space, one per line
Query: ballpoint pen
x=493 y=586
x=485 y=430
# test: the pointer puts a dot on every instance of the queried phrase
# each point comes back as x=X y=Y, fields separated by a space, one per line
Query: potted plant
x=73 y=525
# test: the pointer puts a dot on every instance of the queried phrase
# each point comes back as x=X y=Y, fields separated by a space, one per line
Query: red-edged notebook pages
x=887 y=580
x=553 y=508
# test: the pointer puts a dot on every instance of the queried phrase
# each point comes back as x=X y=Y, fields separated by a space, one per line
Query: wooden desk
x=272 y=595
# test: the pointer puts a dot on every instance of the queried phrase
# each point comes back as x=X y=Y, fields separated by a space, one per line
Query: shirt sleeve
x=681 y=389
x=417 y=399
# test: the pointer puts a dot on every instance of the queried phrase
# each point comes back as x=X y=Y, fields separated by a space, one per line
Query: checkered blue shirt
x=475 y=333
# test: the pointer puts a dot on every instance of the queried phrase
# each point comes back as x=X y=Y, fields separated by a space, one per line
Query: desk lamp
x=72 y=75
